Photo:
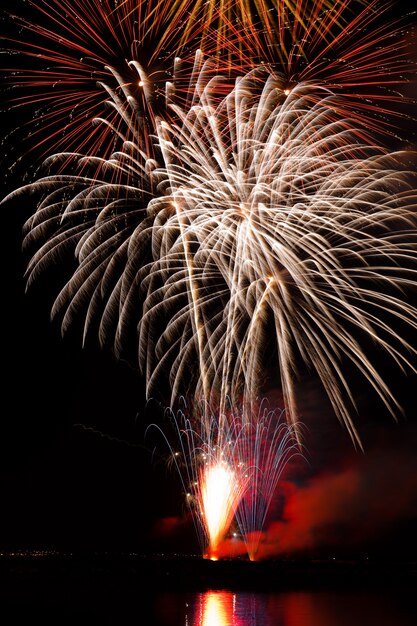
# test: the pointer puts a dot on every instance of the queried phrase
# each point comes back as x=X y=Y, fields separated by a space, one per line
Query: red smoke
x=358 y=507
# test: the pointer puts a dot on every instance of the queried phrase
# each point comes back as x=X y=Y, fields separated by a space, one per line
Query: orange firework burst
x=272 y=18
x=66 y=54
x=67 y=50
x=359 y=49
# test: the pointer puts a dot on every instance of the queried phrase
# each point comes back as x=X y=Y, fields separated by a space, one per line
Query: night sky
x=77 y=472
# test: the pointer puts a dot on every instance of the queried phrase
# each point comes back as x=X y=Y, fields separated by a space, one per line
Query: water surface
x=298 y=608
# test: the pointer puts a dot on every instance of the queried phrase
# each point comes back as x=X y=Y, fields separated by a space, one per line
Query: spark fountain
x=229 y=465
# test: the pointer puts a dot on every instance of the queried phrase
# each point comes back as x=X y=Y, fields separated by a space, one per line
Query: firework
x=361 y=50
x=66 y=53
x=277 y=223
x=230 y=465
x=222 y=18
x=205 y=455
x=264 y=233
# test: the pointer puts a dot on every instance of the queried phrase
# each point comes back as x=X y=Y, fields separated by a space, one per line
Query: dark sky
x=77 y=473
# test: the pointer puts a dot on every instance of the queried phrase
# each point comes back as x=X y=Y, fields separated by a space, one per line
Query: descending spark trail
x=266 y=448
x=266 y=232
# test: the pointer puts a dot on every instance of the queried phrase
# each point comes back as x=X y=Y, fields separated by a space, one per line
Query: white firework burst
x=261 y=230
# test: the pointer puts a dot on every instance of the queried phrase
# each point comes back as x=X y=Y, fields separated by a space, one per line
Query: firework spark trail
x=268 y=446
x=265 y=223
